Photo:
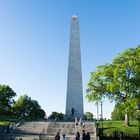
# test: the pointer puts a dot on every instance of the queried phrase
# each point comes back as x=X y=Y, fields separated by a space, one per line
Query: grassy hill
x=110 y=126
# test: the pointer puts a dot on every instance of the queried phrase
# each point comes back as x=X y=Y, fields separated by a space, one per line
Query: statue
x=72 y=112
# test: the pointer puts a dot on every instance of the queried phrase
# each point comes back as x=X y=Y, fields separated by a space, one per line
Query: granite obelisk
x=74 y=98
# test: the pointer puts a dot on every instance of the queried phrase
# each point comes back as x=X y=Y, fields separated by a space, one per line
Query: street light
x=97 y=110
x=102 y=115
x=138 y=117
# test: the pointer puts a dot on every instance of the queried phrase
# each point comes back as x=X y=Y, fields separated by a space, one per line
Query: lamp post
x=138 y=117
x=102 y=115
x=97 y=111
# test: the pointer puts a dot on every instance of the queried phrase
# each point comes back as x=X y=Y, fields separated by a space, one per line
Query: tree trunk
x=126 y=122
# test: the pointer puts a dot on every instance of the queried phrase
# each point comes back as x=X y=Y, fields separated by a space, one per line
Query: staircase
x=69 y=129
x=48 y=130
x=31 y=128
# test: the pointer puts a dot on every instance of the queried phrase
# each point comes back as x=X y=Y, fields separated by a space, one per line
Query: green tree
x=88 y=116
x=6 y=99
x=118 y=81
x=56 y=115
x=35 y=110
x=25 y=107
x=21 y=106
x=122 y=108
x=119 y=109
x=118 y=112
x=41 y=113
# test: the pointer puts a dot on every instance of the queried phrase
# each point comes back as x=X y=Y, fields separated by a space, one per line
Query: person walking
x=83 y=124
x=76 y=122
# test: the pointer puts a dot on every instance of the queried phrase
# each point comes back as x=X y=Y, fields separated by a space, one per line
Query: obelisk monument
x=74 y=98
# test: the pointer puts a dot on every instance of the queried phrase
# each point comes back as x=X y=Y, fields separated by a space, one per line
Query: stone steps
x=31 y=128
x=49 y=129
x=69 y=129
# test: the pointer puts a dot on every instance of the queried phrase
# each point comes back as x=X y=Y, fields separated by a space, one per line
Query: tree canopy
x=6 y=99
x=25 y=107
x=118 y=81
x=88 y=116
x=56 y=115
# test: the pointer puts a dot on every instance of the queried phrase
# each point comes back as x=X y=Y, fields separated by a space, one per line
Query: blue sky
x=34 y=44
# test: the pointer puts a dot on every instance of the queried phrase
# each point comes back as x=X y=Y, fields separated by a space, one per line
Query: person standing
x=57 y=136
x=84 y=135
x=77 y=136
x=63 y=138
x=88 y=136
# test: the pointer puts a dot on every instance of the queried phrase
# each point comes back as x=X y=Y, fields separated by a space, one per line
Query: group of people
x=10 y=129
x=85 y=136
x=57 y=137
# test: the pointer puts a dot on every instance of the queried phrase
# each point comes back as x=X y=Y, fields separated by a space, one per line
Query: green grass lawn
x=110 y=126
x=4 y=123
x=4 y=120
